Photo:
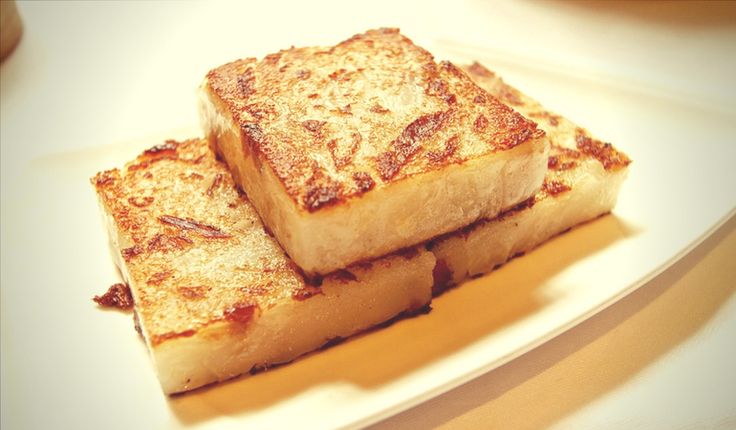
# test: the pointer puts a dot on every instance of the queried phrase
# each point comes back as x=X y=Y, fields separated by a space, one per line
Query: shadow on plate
x=459 y=317
x=583 y=364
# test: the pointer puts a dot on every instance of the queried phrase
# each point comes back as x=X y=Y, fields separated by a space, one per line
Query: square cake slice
x=356 y=150
x=215 y=296
x=582 y=182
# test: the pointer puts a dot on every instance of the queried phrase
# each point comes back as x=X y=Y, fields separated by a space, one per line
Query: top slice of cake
x=356 y=150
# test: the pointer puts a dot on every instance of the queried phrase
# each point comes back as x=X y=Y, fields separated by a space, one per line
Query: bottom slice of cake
x=215 y=296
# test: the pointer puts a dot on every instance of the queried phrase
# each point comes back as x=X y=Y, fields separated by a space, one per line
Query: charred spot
x=313 y=96
x=253 y=134
x=447 y=66
x=480 y=99
x=406 y=145
x=554 y=188
x=517 y=208
x=193 y=293
x=389 y=165
x=272 y=58
x=332 y=342
x=313 y=125
x=522 y=136
x=105 y=178
x=165 y=243
x=303 y=74
x=322 y=195
x=246 y=83
x=130 y=253
x=137 y=324
x=167 y=148
x=340 y=75
x=364 y=264
x=306 y=291
x=363 y=181
x=259 y=111
x=437 y=87
x=240 y=313
x=554 y=163
x=267 y=230
x=202 y=229
x=603 y=152
x=416 y=310
x=344 y=276
x=407 y=253
x=194 y=176
x=158 y=277
x=438 y=157
x=117 y=296
x=141 y=165
x=377 y=108
x=481 y=123
x=165 y=151
x=441 y=277
x=216 y=182
x=321 y=191
x=140 y=202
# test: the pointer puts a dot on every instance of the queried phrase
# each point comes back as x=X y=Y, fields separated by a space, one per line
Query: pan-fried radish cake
x=352 y=151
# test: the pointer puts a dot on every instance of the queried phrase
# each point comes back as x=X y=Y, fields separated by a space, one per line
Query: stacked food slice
x=381 y=174
x=582 y=182
x=357 y=150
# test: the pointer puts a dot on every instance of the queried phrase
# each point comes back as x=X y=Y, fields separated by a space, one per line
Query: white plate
x=65 y=362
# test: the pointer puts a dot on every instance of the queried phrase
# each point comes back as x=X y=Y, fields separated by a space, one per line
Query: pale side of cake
x=215 y=296
x=352 y=151
x=582 y=182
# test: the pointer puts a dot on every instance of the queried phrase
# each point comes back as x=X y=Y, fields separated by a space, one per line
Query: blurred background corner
x=11 y=28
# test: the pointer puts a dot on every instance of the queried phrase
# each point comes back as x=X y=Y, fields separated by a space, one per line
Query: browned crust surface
x=572 y=141
x=334 y=123
x=194 y=247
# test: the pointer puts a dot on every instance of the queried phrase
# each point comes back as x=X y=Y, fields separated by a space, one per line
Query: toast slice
x=353 y=151
x=582 y=182
x=214 y=294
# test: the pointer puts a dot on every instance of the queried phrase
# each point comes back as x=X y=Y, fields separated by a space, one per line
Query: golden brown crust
x=571 y=141
x=375 y=106
x=195 y=249
x=604 y=152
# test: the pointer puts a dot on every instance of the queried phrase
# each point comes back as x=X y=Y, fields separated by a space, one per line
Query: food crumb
x=117 y=296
